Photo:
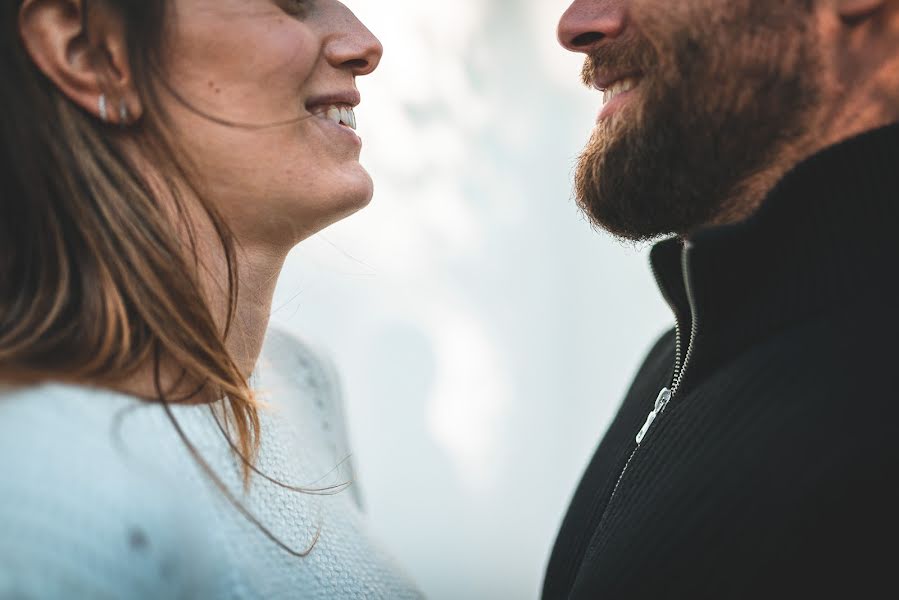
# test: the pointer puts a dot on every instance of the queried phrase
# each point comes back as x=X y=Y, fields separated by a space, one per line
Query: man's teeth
x=619 y=87
x=342 y=115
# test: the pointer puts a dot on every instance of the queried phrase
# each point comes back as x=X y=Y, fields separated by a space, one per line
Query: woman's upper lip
x=349 y=97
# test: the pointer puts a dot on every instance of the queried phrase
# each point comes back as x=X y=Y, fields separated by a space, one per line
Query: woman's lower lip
x=342 y=131
x=614 y=105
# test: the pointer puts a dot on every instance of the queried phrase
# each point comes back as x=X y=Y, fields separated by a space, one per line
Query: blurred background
x=485 y=334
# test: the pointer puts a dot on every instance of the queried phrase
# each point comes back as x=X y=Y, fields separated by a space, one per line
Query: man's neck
x=750 y=194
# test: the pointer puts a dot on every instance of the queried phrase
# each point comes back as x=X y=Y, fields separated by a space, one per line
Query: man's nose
x=588 y=22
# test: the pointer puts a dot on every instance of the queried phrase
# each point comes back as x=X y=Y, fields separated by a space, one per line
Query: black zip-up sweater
x=772 y=471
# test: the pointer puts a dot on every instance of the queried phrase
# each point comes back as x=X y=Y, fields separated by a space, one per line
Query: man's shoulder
x=839 y=355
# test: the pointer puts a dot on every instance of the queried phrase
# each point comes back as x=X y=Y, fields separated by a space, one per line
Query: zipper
x=666 y=394
x=680 y=367
x=694 y=317
x=660 y=406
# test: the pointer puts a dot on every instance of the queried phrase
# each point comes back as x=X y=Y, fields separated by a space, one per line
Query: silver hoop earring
x=101 y=105
x=123 y=112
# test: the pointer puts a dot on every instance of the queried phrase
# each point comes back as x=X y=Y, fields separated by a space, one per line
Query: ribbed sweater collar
x=826 y=236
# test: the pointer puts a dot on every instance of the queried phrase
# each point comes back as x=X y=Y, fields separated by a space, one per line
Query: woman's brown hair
x=96 y=280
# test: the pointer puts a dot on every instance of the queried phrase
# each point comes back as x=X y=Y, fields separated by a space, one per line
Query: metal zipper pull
x=661 y=403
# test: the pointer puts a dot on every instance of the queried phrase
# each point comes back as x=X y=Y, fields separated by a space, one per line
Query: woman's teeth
x=619 y=87
x=342 y=115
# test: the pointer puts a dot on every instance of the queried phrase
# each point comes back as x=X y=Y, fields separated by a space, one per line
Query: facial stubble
x=711 y=111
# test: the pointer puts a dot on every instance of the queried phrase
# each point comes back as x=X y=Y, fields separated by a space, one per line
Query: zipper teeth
x=618 y=483
x=694 y=321
x=678 y=349
x=678 y=368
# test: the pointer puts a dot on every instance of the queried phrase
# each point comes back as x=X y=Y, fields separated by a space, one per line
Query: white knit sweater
x=99 y=498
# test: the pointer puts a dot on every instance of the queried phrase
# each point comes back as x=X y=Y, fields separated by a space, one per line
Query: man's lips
x=604 y=81
x=619 y=87
x=616 y=93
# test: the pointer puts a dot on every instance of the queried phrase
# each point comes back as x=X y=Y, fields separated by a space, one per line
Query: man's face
x=721 y=87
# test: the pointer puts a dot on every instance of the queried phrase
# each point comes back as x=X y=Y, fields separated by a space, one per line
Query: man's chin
x=608 y=190
x=635 y=179
x=629 y=203
x=621 y=228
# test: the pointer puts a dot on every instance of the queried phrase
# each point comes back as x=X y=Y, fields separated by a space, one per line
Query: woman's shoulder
x=56 y=424
x=50 y=425
x=80 y=517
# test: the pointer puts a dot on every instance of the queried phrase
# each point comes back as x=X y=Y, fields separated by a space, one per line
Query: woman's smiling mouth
x=339 y=114
x=337 y=108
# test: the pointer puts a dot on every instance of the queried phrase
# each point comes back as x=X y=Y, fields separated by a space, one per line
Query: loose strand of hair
x=218 y=482
x=227 y=122
x=331 y=490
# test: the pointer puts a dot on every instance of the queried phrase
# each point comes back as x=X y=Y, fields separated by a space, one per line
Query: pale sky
x=484 y=333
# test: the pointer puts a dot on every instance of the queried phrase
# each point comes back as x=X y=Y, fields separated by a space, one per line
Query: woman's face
x=287 y=68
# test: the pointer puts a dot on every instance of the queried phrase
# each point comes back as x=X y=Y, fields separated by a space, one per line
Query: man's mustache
x=617 y=58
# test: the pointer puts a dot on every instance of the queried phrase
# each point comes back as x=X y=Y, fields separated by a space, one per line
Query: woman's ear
x=84 y=54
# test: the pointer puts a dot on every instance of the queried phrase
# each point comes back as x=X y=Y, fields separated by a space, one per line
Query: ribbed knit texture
x=99 y=498
x=771 y=472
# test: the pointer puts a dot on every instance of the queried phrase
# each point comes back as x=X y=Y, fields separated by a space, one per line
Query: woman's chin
x=354 y=193
x=366 y=188
x=343 y=200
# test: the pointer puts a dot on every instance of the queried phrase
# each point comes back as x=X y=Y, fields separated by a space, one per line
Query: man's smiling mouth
x=619 y=87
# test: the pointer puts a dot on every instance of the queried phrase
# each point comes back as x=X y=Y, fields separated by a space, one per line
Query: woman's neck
x=258 y=265
x=258 y=276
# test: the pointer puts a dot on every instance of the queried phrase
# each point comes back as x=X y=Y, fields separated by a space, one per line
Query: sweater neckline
x=825 y=236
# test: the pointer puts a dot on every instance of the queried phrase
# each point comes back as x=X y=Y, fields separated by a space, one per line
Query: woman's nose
x=356 y=48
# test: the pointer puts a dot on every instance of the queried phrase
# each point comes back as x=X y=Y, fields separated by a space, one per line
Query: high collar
x=827 y=235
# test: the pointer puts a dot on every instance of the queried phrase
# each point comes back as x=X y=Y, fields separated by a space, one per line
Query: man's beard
x=708 y=114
